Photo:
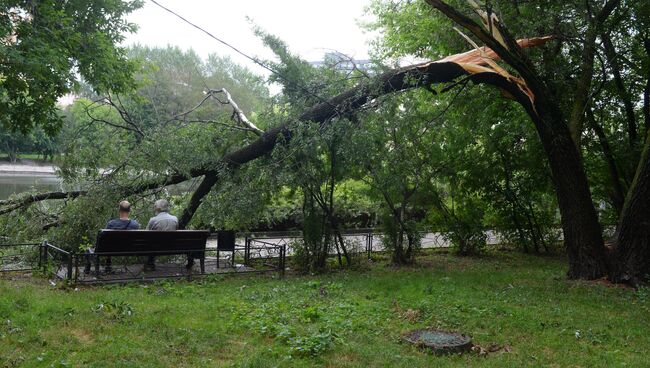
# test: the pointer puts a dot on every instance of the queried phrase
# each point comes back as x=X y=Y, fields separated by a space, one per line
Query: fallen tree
x=26 y=200
x=473 y=65
x=477 y=65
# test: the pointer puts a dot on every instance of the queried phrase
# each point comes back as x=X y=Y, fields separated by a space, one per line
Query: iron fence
x=59 y=261
x=19 y=257
x=254 y=252
x=358 y=241
x=252 y=257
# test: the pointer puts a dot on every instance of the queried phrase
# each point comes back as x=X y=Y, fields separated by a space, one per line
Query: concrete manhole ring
x=440 y=342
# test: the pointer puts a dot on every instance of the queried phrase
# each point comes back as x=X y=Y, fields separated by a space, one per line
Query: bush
x=403 y=242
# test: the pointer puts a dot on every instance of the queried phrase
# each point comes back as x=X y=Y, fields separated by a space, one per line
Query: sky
x=309 y=27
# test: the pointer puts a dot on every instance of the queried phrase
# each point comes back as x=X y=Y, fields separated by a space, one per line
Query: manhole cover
x=441 y=342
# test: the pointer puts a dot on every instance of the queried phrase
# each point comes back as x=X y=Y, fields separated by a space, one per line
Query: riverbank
x=28 y=167
x=27 y=176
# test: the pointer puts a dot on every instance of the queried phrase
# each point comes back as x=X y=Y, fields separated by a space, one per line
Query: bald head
x=125 y=206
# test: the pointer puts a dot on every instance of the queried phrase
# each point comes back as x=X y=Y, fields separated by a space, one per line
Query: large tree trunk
x=633 y=250
x=582 y=233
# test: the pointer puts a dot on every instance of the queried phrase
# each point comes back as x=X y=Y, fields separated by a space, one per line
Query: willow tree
x=48 y=45
x=558 y=134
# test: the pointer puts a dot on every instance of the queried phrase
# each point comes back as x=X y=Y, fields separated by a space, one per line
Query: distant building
x=342 y=62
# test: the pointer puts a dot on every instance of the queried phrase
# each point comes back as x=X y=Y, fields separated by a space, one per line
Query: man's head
x=161 y=205
x=125 y=208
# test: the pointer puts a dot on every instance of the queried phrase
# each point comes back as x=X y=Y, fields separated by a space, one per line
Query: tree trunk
x=511 y=198
x=582 y=233
x=195 y=201
x=646 y=90
x=617 y=193
x=583 y=87
x=646 y=104
x=538 y=228
x=633 y=250
x=612 y=58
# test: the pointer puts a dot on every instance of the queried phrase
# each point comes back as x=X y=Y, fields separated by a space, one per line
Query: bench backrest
x=143 y=241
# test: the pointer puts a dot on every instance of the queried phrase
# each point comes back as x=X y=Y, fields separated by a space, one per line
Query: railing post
x=283 y=257
x=44 y=249
x=247 y=250
x=76 y=267
x=70 y=255
x=40 y=255
x=189 y=269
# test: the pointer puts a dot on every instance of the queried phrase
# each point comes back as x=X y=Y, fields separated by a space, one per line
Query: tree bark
x=582 y=233
x=617 y=194
x=195 y=201
x=610 y=53
x=646 y=90
x=633 y=250
x=583 y=87
x=12 y=205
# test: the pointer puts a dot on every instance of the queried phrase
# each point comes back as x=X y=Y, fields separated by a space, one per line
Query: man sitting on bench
x=163 y=221
x=121 y=223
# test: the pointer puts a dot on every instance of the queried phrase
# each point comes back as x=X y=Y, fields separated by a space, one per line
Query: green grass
x=343 y=319
x=30 y=156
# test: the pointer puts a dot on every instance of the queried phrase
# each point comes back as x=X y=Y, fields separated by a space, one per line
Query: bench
x=151 y=243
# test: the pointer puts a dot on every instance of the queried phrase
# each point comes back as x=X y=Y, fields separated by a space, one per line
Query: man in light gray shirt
x=163 y=221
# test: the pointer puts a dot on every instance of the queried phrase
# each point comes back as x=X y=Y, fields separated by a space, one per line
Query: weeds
x=344 y=319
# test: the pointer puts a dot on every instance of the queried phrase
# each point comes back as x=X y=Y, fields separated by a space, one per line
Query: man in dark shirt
x=121 y=223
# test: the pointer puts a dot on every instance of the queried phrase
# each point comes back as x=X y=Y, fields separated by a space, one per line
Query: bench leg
x=202 y=261
x=96 y=266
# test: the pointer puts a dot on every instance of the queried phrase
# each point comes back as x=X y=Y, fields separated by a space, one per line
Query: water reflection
x=18 y=183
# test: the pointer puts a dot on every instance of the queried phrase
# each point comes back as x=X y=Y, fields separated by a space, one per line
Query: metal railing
x=19 y=257
x=63 y=261
x=266 y=254
x=364 y=240
x=260 y=252
x=253 y=256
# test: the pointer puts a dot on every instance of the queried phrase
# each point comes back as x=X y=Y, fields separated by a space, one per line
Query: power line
x=251 y=58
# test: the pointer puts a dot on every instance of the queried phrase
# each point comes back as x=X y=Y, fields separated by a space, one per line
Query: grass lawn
x=521 y=305
x=30 y=156
x=4 y=158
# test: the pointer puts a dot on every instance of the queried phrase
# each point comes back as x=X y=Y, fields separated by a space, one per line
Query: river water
x=11 y=183
x=19 y=182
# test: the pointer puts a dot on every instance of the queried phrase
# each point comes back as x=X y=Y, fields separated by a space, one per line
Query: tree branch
x=241 y=117
x=14 y=204
x=410 y=77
